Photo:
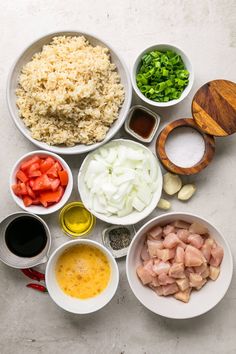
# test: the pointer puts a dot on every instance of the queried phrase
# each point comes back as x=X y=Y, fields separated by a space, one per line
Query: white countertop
x=29 y=321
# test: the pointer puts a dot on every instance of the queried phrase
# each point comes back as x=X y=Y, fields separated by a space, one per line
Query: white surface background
x=29 y=321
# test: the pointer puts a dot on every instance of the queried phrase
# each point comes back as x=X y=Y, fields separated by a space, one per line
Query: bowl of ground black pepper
x=117 y=239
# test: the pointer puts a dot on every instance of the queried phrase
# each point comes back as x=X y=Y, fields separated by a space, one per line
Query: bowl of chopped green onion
x=162 y=75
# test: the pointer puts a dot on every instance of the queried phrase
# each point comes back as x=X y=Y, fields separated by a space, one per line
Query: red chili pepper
x=39 y=275
x=30 y=274
x=37 y=287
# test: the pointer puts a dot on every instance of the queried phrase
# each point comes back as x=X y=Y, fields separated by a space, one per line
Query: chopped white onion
x=120 y=179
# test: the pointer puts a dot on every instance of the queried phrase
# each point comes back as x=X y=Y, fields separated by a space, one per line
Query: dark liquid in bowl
x=25 y=236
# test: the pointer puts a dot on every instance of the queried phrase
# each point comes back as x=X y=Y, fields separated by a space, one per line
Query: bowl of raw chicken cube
x=179 y=265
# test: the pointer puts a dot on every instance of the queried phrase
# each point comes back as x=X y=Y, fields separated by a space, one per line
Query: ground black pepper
x=119 y=238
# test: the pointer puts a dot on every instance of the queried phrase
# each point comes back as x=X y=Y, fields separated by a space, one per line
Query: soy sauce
x=142 y=123
x=25 y=236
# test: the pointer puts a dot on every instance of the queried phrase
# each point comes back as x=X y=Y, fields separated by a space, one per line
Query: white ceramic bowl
x=38 y=209
x=200 y=301
x=26 y=56
x=12 y=260
x=75 y=305
x=188 y=66
x=133 y=217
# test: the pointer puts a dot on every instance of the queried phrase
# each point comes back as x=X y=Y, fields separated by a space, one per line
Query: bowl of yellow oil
x=76 y=220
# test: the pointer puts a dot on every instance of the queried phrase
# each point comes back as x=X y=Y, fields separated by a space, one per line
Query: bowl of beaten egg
x=81 y=276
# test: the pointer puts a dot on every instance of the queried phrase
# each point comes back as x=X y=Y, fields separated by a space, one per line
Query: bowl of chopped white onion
x=121 y=182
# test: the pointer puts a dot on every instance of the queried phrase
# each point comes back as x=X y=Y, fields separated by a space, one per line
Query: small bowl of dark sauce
x=25 y=240
x=142 y=123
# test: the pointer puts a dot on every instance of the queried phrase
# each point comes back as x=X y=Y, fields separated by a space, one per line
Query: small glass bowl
x=65 y=225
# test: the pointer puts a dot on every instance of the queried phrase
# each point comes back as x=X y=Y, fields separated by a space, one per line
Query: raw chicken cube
x=217 y=254
x=203 y=270
x=144 y=253
x=196 y=228
x=195 y=240
x=183 y=235
x=180 y=224
x=171 y=241
x=206 y=251
x=214 y=272
x=164 y=279
x=182 y=244
x=209 y=241
x=206 y=273
x=204 y=281
x=168 y=229
x=183 y=284
x=153 y=246
x=195 y=280
x=179 y=255
x=155 y=232
x=159 y=290
x=188 y=270
x=193 y=257
x=161 y=267
x=200 y=269
x=148 y=265
x=166 y=254
x=155 y=282
x=170 y=289
x=177 y=270
x=183 y=295
x=144 y=275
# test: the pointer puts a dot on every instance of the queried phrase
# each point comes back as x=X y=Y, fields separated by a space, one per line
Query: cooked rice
x=70 y=92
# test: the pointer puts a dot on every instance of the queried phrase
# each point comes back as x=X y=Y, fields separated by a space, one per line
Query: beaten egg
x=83 y=271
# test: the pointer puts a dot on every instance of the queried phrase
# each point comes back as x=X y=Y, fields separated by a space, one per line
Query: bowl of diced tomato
x=41 y=182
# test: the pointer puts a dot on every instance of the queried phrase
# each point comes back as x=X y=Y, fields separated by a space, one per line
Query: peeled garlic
x=186 y=192
x=164 y=204
x=172 y=183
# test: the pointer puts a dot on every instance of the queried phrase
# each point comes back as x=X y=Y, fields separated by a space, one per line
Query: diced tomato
x=53 y=171
x=55 y=183
x=34 y=166
x=52 y=197
x=27 y=201
x=31 y=183
x=36 y=201
x=19 y=189
x=43 y=202
x=42 y=183
x=30 y=192
x=21 y=176
x=34 y=174
x=47 y=164
x=23 y=189
x=25 y=165
x=63 y=175
x=16 y=189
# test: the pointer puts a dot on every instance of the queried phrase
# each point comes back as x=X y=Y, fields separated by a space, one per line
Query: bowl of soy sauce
x=25 y=240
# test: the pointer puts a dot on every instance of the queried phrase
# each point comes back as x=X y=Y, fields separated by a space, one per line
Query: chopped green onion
x=162 y=76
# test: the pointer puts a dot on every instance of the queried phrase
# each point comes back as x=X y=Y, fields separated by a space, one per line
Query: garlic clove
x=186 y=192
x=171 y=183
x=164 y=204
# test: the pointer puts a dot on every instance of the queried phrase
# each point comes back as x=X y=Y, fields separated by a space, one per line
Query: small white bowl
x=133 y=217
x=75 y=305
x=26 y=56
x=11 y=259
x=188 y=66
x=39 y=209
x=200 y=301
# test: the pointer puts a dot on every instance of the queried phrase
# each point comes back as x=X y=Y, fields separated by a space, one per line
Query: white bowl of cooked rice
x=69 y=92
